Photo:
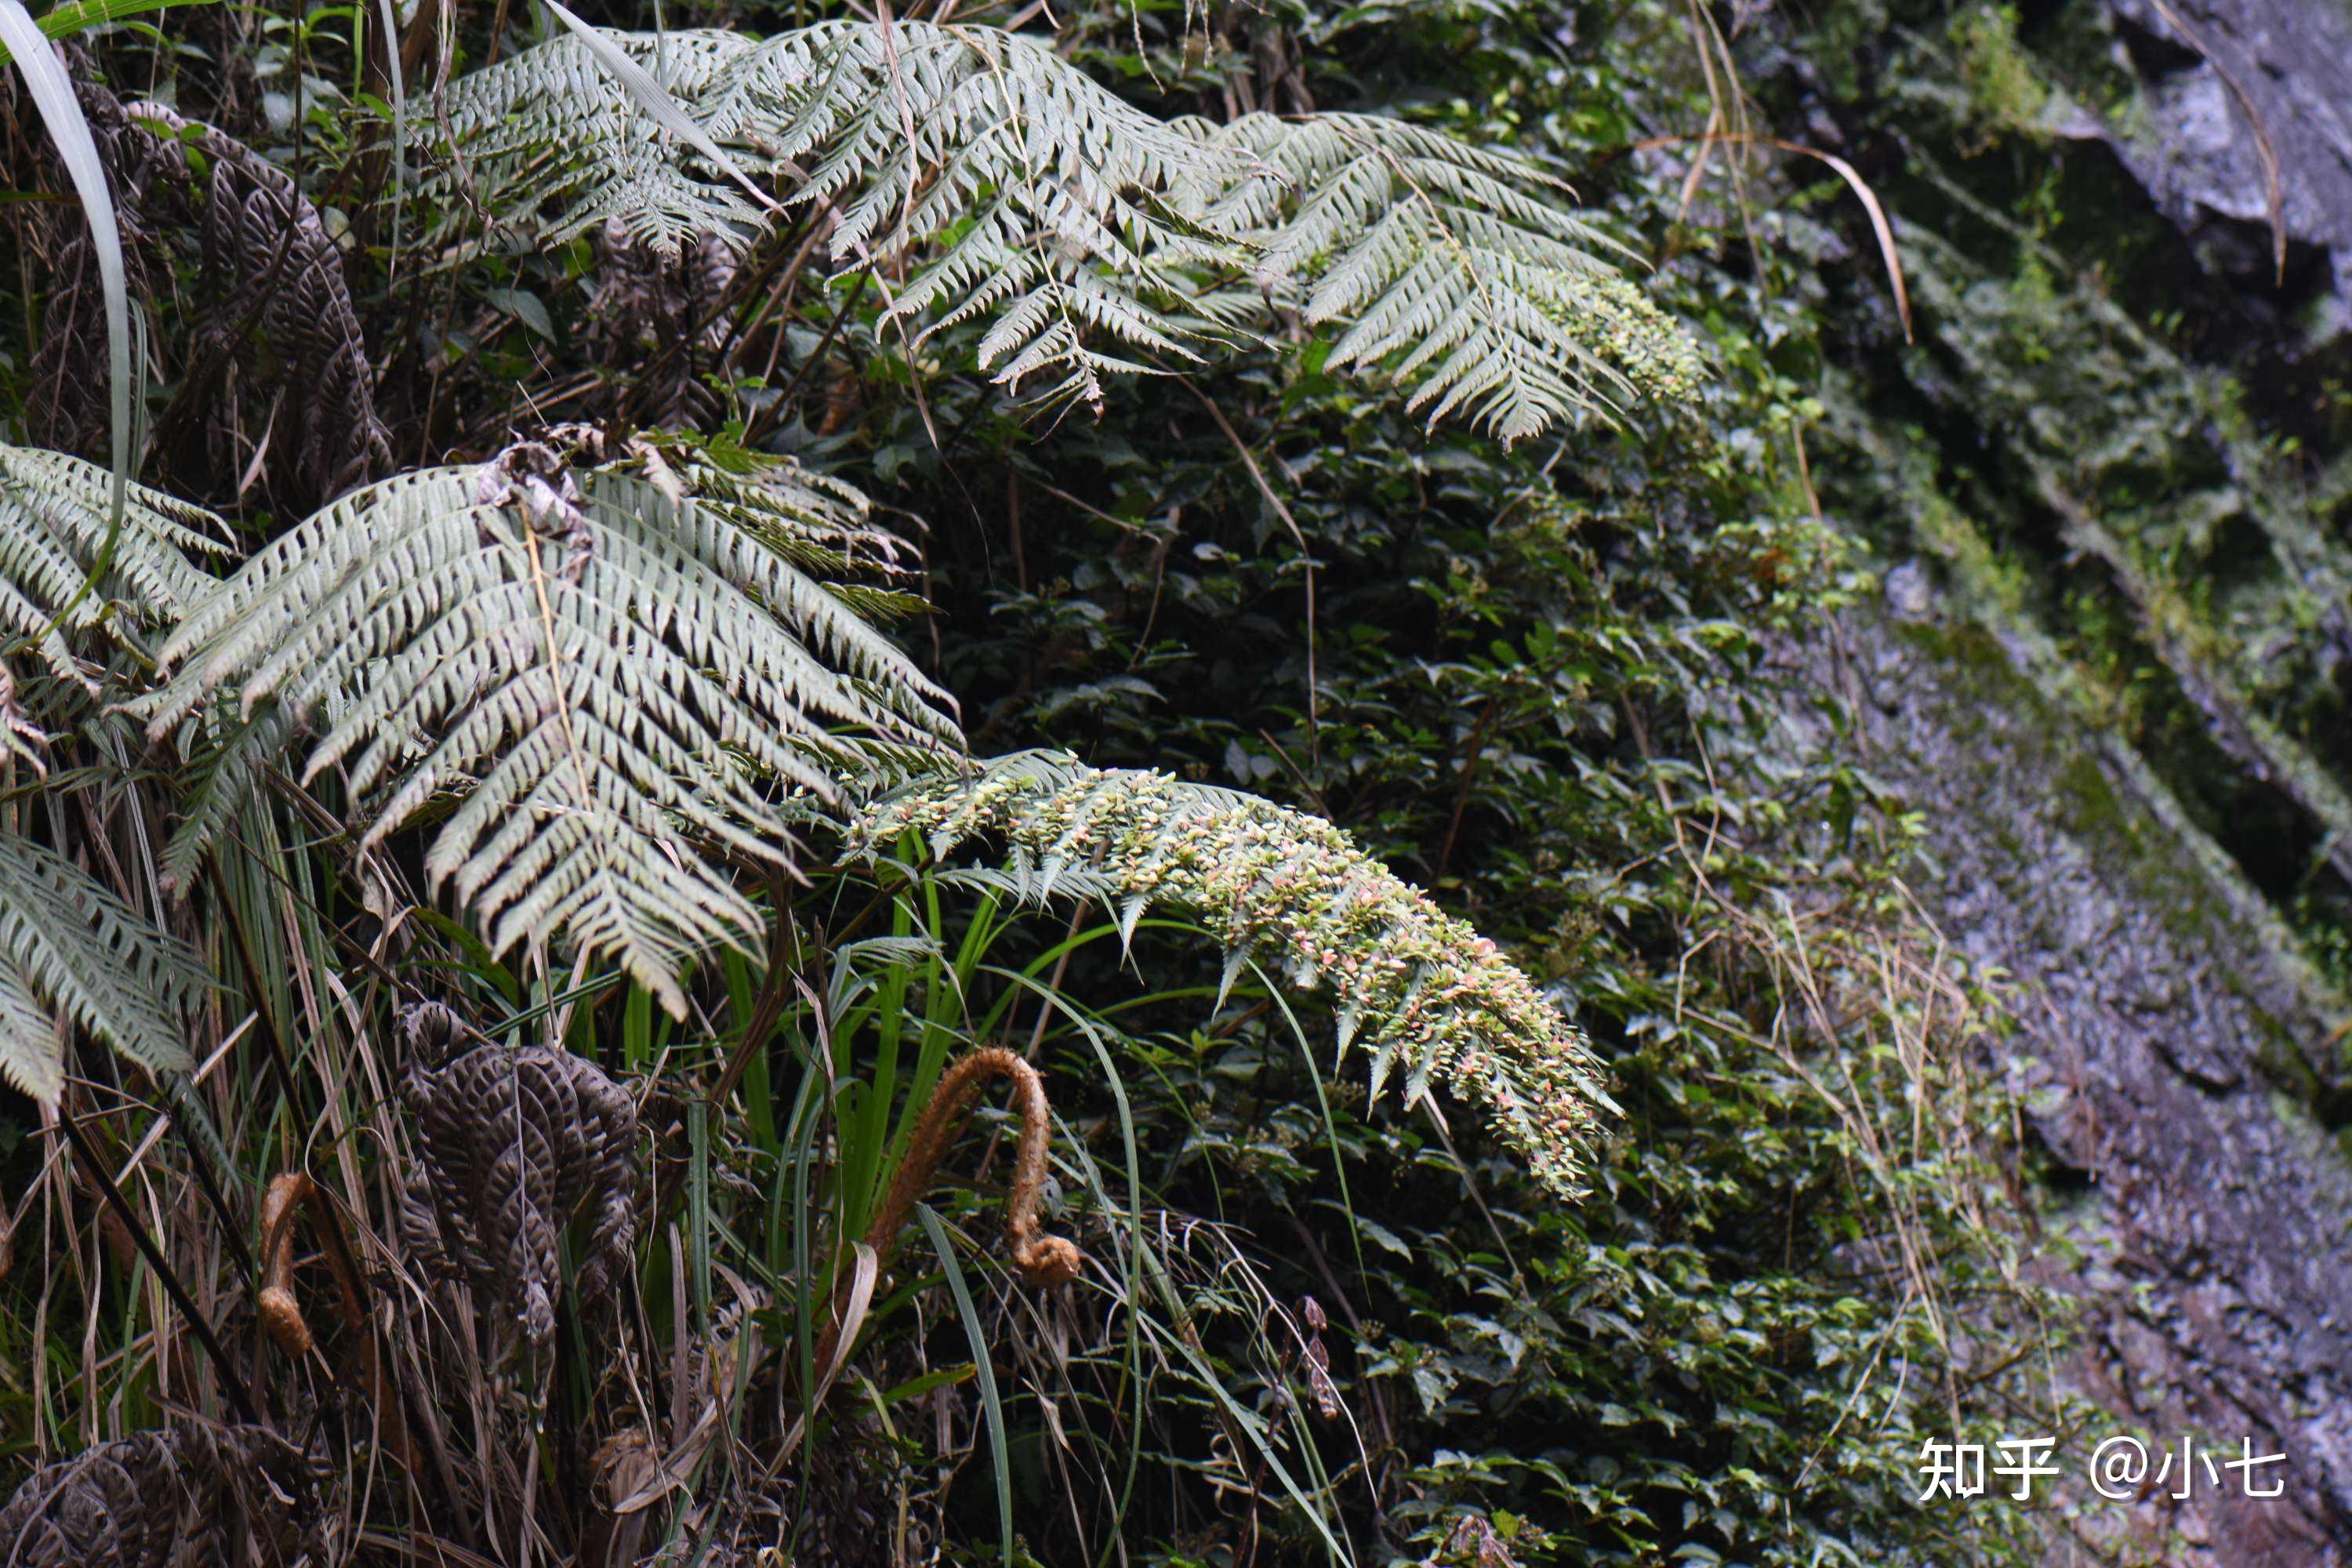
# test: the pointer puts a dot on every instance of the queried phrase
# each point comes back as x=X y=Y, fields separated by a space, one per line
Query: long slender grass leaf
x=991 y=1405
x=67 y=20
x=654 y=99
x=399 y=118
x=53 y=95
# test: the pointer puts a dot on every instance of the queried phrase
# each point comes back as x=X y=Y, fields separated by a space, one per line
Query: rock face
x=2210 y=72
x=2164 y=1036
x=2113 y=667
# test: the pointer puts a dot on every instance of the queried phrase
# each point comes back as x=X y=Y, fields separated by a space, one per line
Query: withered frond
x=166 y=1499
x=268 y=274
x=517 y=1139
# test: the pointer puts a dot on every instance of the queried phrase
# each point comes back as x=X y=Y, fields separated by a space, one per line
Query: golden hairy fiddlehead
x=281 y=1310
x=1043 y=1260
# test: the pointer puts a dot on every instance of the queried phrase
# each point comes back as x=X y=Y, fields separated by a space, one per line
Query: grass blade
x=53 y=95
x=655 y=99
x=399 y=118
x=82 y=14
x=990 y=1404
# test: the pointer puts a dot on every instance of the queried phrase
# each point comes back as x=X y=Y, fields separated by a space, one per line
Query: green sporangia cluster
x=1625 y=329
x=1418 y=989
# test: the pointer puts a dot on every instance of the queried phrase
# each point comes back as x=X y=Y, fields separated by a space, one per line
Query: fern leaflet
x=68 y=945
x=54 y=521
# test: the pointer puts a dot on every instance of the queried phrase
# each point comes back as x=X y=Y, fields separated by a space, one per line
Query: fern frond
x=1420 y=991
x=54 y=524
x=1459 y=267
x=602 y=663
x=549 y=126
x=1073 y=219
x=68 y=946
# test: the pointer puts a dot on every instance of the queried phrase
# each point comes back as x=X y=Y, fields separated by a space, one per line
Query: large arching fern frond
x=67 y=946
x=1422 y=991
x=608 y=667
x=54 y=526
x=1092 y=238
x=1046 y=202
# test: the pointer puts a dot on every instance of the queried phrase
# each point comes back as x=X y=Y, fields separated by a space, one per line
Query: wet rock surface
x=2110 y=489
x=2219 y=78
x=2169 y=1044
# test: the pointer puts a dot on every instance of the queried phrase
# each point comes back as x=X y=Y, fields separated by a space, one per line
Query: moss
x=2005 y=91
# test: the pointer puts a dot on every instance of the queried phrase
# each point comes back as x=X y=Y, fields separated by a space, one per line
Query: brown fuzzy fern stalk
x=290 y=1194
x=1043 y=1260
x=281 y=1309
x=1426 y=993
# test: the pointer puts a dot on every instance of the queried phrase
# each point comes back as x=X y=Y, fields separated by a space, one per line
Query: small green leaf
x=527 y=308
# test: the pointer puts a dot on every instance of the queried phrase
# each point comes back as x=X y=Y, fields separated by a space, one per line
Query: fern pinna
x=66 y=568
x=70 y=946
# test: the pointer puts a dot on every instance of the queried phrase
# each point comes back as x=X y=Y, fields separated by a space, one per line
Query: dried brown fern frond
x=269 y=275
x=268 y=263
x=193 y=1497
x=652 y=322
x=517 y=1139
